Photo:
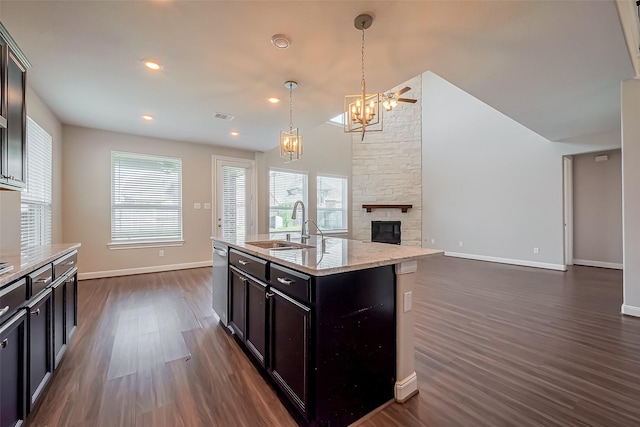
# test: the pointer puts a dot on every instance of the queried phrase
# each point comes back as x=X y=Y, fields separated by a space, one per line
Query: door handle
x=5 y=342
x=285 y=281
x=36 y=312
x=4 y=310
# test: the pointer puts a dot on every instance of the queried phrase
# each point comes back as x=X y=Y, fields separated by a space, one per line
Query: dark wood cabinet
x=13 y=370
x=71 y=305
x=13 y=113
x=237 y=307
x=290 y=340
x=59 y=290
x=39 y=345
x=256 y=331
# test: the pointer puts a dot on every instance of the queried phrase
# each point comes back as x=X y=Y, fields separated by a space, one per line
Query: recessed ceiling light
x=152 y=65
x=235 y=133
x=280 y=41
x=274 y=100
x=147 y=118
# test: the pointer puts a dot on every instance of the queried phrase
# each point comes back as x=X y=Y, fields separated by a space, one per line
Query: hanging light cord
x=362 y=81
x=291 y=107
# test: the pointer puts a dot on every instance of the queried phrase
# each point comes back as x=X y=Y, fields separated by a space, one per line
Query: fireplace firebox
x=386 y=232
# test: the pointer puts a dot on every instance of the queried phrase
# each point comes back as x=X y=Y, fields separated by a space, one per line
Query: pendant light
x=291 y=141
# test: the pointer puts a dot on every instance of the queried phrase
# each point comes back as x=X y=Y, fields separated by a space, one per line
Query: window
x=35 y=208
x=332 y=203
x=146 y=198
x=284 y=189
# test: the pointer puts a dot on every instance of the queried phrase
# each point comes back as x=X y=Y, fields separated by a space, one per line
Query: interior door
x=234 y=198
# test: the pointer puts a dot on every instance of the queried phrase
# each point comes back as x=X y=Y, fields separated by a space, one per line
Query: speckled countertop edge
x=25 y=263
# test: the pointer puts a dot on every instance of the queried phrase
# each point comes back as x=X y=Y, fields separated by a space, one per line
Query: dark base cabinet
x=13 y=351
x=40 y=348
x=328 y=342
x=59 y=289
x=71 y=305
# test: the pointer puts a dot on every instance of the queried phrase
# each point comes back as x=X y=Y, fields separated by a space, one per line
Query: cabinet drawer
x=249 y=264
x=40 y=279
x=12 y=296
x=64 y=264
x=290 y=282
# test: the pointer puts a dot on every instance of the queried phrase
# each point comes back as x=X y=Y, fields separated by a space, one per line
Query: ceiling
x=554 y=66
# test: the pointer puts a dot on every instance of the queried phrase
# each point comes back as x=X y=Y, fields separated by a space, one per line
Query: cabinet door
x=256 y=332
x=12 y=371
x=289 y=363
x=59 y=332
x=39 y=346
x=16 y=122
x=237 y=294
x=71 y=307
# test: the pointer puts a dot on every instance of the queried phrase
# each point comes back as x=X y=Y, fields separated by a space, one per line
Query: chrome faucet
x=303 y=234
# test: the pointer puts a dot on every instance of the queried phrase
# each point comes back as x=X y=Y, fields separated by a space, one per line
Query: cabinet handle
x=268 y=295
x=5 y=342
x=285 y=281
x=70 y=263
x=4 y=310
x=241 y=262
x=45 y=280
x=37 y=312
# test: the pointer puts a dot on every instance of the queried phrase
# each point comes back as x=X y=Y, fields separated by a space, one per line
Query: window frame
x=142 y=242
x=304 y=198
x=345 y=203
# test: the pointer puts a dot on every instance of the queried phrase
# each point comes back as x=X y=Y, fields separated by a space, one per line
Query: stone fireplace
x=387 y=170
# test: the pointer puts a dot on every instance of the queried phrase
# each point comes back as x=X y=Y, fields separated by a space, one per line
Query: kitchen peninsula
x=329 y=320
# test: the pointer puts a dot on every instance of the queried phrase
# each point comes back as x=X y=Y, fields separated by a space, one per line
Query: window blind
x=284 y=189
x=234 y=202
x=146 y=198
x=35 y=215
x=332 y=203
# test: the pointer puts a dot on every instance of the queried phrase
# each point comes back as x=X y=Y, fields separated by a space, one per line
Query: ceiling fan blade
x=413 y=101
x=403 y=90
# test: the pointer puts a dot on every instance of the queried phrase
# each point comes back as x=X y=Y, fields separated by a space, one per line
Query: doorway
x=567 y=179
x=234 y=198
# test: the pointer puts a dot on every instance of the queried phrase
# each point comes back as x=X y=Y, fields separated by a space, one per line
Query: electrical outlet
x=433 y=241
x=536 y=250
x=207 y=205
x=161 y=252
x=408 y=301
x=460 y=243
x=197 y=205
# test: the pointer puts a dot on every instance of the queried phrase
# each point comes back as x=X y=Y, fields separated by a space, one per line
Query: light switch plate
x=207 y=205
x=197 y=206
x=408 y=301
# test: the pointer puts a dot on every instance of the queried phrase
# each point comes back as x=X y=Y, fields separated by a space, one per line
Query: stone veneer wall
x=387 y=169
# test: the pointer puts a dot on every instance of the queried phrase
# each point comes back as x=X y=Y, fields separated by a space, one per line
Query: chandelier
x=362 y=112
x=291 y=141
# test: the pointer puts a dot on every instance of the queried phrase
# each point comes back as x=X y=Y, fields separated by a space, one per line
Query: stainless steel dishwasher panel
x=220 y=281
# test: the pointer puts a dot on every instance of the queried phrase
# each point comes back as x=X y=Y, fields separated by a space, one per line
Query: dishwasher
x=220 y=281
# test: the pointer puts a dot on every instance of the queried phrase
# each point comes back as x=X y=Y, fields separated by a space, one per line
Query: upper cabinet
x=13 y=113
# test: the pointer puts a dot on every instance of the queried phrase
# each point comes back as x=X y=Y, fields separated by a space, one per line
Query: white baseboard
x=602 y=264
x=142 y=270
x=524 y=263
x=406 y=388
x=630 y=310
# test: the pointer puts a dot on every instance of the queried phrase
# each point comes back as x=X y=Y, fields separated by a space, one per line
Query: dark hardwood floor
x=496 y=345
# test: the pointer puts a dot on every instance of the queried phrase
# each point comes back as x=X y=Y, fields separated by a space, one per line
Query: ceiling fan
x=390 y=100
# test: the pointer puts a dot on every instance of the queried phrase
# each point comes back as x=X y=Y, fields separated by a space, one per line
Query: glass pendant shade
x=290 y=145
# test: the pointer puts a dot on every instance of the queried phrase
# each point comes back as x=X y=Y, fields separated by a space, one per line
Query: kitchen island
x=328 y=320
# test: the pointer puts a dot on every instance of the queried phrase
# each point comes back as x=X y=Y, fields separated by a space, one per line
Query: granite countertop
x=339 y=255
x=26 y=262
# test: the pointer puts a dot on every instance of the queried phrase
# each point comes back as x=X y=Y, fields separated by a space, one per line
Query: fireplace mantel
x=403 y=208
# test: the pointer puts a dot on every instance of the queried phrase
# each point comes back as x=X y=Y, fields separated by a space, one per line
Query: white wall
x=87 y=198
x=326 y=150
x=387 y=170
x=597 y=209
x=631 y=195
x=10 y=200
x=489 y=182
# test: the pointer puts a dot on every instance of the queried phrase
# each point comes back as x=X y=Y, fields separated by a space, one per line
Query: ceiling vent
x=223 y=116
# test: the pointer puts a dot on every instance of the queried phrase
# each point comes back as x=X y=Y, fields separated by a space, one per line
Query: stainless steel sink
x=278 y=245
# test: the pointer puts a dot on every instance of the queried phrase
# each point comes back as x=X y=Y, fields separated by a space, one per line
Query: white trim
x=116 y=246
x=524 y=263
x=567 y=211
x=630 y=310
x=216 y=167
x=142 y=270
x=406 y=388
x=602 y=264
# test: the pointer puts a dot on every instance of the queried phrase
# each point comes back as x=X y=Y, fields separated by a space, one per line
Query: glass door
x=235 y=211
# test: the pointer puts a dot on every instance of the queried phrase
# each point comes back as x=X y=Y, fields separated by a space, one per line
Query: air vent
x=223 y=116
